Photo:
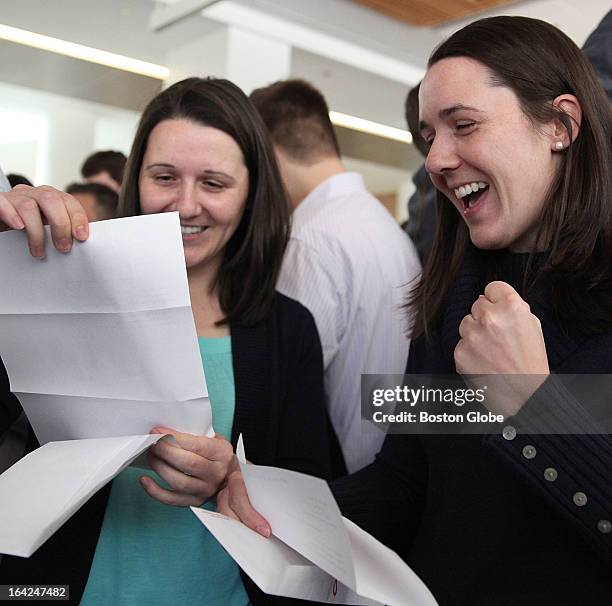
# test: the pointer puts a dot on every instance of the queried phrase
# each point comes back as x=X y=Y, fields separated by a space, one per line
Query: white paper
x=70 y=418
x=130 y=264
x=100 y=347
x=107 y=325
x=314 y=553
x=42 y=490
x=304 y=515
x=275 y=567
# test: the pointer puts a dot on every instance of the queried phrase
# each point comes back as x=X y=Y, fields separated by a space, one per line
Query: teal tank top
x=150 y=553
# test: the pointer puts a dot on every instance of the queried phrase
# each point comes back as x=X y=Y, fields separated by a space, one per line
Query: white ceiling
x=122 y=26
x=352 y=42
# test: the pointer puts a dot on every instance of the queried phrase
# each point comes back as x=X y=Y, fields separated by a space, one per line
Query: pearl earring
x=559 y=145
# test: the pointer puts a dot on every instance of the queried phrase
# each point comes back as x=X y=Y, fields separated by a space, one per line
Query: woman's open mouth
x=470 y=193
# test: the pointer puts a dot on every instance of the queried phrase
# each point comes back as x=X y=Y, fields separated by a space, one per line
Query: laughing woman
x=519 y=282
x=201 y=150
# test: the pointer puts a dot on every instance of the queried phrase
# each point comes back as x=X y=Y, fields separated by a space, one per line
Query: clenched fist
x=502 y=337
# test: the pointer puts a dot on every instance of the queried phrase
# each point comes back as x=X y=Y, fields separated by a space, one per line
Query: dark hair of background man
x=106 y=199
x=297 y=118
x=113 y=162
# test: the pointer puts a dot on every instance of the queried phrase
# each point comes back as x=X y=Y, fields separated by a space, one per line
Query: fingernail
x=81 y=232
x=263 y=530
x=64 y=245
x=18 y=223
x=38 y=252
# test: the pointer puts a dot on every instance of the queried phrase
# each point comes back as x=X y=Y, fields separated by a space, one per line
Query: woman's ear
x=570 y=106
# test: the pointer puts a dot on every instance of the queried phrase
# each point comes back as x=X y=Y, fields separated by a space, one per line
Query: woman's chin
x=487 y=241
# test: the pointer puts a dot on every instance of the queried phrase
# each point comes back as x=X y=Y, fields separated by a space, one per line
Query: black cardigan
x=280 y=410
x=476 y=519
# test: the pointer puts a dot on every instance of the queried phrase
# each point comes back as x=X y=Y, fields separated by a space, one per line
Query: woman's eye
x=163 y=178
x=213 y=184
x=464 y=126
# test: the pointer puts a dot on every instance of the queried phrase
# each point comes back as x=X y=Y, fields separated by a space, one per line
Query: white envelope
x=314 y=553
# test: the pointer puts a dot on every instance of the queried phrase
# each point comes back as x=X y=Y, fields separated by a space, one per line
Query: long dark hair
x=539 y=63
x=252 y=257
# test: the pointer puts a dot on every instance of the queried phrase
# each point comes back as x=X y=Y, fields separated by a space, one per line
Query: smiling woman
x=201 y=150
x=478 y=133
x=519 y=283
x=198 y=171
x=536 y=133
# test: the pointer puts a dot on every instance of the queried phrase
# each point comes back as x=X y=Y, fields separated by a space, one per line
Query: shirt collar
x=333 y=187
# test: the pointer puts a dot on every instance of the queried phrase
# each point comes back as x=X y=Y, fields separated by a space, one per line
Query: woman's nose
x=187 y=202
x=442 y=156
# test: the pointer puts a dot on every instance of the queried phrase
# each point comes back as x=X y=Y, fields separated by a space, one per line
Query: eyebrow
x=205 y=173
x=449 y=111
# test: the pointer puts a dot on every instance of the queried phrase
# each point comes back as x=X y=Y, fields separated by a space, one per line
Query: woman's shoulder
x=287 y=323
x=286 y=309
x=294 y=327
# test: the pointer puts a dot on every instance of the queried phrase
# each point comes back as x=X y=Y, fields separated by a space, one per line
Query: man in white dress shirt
x=348 y=261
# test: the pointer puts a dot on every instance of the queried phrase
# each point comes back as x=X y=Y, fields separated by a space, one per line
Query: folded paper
x=314 y=553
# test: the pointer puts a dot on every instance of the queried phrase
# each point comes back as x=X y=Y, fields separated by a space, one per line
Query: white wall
x=46 y=137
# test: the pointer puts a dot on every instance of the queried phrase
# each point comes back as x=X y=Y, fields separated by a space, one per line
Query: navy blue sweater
x=478 y=521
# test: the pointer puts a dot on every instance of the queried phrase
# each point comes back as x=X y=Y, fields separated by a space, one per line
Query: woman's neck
x=205 y=303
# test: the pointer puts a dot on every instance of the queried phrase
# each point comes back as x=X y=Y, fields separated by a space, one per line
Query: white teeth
x=469 y=188
x=191 y=229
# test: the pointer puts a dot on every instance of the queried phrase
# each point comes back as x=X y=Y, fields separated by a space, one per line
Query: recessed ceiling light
x=85 y=53
x=372 y=128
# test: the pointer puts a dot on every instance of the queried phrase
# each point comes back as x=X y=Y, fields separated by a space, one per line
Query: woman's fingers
x=29 y=208
x=234 y=502
x=9 y=217
x=194 y=467
x=168 y=497
x=78 y=218
x=183 y=489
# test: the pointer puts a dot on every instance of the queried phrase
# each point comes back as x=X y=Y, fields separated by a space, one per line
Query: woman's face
x=198 y=171
x=481 y=140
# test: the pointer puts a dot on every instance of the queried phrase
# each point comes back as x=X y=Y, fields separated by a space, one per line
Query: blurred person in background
x=598 y=49
x=105 y=168
x=348 y=261
x=421 y=224
x=99 y=201
x=14 y=179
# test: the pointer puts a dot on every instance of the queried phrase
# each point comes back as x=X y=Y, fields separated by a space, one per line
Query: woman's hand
x=233 y=501
x=29 y=208
x=502 y=337
x=194 y=467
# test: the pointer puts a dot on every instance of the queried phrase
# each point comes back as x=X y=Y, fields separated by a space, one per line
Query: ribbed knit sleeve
x=558 y=447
